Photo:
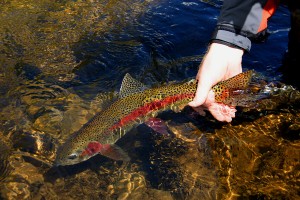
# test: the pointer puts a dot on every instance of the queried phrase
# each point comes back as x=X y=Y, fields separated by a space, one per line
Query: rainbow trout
x=134 y=106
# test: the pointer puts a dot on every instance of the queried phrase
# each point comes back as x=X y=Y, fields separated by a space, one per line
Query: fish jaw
x=68 y=155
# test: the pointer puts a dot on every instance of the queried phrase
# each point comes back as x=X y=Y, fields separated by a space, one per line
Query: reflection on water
x=61 y=63
x=45 y=33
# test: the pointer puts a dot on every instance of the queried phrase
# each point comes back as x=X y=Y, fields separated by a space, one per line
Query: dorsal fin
x=130 y=86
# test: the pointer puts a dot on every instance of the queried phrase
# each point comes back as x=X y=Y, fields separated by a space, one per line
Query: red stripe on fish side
x=155 y=105
x=93 y=148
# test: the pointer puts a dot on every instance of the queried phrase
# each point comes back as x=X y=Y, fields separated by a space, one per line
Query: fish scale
x=134 y=106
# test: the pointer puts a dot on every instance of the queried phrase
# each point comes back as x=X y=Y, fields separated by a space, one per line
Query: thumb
x=201 y=94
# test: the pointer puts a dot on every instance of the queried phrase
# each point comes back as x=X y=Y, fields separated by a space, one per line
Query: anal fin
x=157 y=125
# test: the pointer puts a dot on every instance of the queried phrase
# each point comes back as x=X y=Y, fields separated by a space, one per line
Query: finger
x=222 y=112
x=227 y=112
x=201 y=94
x=232 y=112
x=215 y=110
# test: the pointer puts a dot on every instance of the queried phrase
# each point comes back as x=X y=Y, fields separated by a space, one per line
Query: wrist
x=227 y=44
x=223 y=49
x=231 y=39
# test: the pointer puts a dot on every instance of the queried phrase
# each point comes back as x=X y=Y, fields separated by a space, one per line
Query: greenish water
x=61 y=61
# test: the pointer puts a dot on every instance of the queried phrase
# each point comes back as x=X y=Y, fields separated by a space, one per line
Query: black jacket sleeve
x=243 y=21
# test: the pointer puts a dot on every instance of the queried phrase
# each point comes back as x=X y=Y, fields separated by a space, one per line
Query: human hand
x=220 y=63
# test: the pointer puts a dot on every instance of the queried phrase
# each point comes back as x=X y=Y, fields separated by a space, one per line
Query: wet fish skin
x=135 y=105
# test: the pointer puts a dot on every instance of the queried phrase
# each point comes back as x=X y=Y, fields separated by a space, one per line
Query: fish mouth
x=57 y=163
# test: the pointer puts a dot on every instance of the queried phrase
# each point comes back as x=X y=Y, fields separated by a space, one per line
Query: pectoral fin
x=114 y=152
x=157 y=125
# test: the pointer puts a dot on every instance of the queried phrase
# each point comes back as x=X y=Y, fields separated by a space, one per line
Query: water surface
x=62 y=60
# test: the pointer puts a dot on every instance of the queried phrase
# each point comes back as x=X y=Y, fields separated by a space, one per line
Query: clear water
x=62 y=60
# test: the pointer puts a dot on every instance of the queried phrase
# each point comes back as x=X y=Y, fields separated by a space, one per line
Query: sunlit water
x=61 y=61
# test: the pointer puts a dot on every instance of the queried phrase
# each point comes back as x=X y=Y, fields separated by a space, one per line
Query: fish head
x=74 y=151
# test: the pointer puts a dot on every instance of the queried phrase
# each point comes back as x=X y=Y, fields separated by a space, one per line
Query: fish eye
x=72 y=156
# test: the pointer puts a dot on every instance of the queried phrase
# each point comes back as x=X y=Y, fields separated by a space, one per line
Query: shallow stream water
x=61 y=60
